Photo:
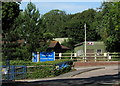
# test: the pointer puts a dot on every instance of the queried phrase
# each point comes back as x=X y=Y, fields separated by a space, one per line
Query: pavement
x=107 y=70
x=79 y=71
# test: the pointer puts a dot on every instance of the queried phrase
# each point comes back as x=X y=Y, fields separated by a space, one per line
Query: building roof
x=90 y=43
x=78 y=44
x=64 y=47
x=53 y=44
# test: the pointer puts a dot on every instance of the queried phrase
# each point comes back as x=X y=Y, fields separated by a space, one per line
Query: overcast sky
x=68 y=7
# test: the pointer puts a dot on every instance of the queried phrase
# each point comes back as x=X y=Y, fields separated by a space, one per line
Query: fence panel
x=13 y=72
x=109 y=56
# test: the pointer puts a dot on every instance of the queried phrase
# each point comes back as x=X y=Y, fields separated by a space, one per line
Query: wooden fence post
x=75 y=54
x=95 y=57
x=60 y=55
x=108 y=56
x=71 y=55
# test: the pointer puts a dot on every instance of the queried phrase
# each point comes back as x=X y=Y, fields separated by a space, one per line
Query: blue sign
x=34 y=57
x=47 y=56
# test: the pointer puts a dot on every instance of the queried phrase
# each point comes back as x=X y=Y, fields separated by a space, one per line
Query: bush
x=39 y=72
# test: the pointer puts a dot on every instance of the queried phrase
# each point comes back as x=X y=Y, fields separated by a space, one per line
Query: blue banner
x=47 y=56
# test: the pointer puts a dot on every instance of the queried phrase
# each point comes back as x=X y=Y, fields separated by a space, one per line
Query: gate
x=13 y=72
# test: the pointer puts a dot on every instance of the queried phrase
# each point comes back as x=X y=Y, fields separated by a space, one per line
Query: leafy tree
x=109 y=26
x=28 y=26
x=10 y=10
x=54 y=21
x=75 y=27
x=75 y=30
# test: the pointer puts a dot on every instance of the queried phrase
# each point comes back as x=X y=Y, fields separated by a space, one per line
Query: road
x=108 y=76
x=107 y=70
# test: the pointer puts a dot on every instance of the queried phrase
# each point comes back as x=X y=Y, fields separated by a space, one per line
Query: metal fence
x=13 y=72
x=108 y=56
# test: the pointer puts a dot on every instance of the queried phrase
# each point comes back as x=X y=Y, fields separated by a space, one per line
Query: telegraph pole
x=85 y=42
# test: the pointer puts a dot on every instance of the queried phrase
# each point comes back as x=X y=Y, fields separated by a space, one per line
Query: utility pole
x=85 y=43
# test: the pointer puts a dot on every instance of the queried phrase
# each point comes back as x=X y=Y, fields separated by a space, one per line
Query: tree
x=109 y=26
x=10 y=11
x=28 y=26
x=75 y=27
x=54 y=22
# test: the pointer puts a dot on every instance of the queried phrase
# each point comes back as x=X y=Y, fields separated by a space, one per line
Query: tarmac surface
x=84 y=76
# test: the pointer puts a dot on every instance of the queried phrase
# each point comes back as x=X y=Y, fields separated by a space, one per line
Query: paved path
x=107 y=70
x=79 y=71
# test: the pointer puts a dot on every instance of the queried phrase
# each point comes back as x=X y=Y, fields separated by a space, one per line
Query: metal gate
x=13 y=72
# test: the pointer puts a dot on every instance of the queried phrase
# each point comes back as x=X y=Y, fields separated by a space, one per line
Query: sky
x=68 y=7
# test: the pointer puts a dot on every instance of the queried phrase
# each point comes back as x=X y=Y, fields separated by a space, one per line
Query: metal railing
x=13 y=72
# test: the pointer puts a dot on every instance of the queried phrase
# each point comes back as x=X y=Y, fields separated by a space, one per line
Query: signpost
x=47 y=56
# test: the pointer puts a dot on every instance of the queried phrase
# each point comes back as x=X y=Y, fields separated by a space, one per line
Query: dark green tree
x=10 y=11
x=54 y=22
x=28 y=26
x=109 y=26
x=75 y=27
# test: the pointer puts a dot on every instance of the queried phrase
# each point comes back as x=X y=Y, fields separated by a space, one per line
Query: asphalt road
x=107 y=70
x=109 y=76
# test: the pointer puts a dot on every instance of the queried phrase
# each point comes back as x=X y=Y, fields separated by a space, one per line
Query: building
x=97 y=47
x=61 y=40
x=57 y=47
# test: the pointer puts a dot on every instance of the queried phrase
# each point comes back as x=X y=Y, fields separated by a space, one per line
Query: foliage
x=10 y=11
x=76 y=26
x=109 y=26
x=40 y=72
x=28 y=27
x=69 y=43
x=54 y=21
